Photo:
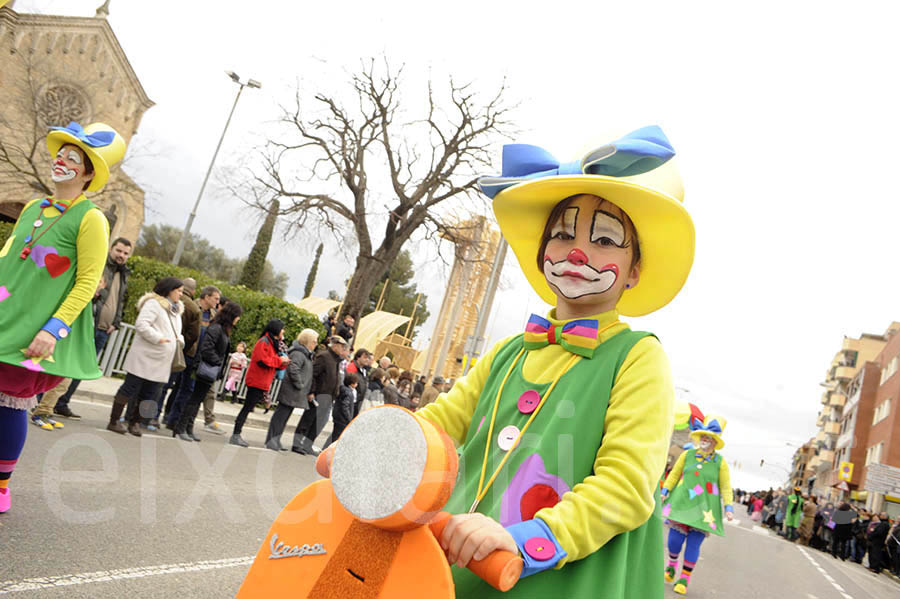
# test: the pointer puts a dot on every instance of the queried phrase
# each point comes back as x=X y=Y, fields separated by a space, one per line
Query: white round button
x=63 y=333
x=507 y=438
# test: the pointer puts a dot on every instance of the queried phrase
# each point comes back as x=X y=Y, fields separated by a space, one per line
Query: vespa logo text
x=280 y=550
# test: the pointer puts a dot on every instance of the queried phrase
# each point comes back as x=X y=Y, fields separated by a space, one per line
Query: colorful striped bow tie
x=576 y=336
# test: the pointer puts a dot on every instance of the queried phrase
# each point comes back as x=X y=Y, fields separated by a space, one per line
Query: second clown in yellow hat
x=101 y=143
x=635 y=172
x=712 y=426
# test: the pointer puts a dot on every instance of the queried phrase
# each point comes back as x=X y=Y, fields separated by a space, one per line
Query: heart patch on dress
x=40 y=252
x=56 y=264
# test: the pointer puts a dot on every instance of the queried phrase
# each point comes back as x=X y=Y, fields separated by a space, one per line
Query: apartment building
x=844 y=368
x=853 y=438
x=801 y=471
x=881 y=444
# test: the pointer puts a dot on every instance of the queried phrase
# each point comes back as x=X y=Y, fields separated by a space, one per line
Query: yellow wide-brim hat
x=713 y=426
x=102 y=144
x=637 y=173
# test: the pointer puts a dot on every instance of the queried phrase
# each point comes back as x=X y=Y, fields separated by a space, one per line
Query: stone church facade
x=54 y=70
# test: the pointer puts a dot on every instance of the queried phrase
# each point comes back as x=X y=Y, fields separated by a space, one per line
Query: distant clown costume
x=564 y=429
x=50 y=267
x=695 y=490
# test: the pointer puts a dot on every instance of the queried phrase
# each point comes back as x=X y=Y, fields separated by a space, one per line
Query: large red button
x=528 y=401
x=540 y=548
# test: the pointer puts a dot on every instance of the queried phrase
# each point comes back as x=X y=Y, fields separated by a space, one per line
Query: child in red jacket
x=264 y=361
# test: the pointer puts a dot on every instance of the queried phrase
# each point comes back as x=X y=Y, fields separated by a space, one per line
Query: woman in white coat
x=149 y=360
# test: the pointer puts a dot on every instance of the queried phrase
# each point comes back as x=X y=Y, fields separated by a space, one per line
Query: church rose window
x=61 y=104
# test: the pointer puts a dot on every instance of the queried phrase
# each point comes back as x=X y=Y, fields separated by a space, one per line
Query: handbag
x=178 y=363
x=207 y=372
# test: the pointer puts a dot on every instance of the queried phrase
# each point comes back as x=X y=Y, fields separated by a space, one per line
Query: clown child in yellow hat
x=695 y=490
x=50 y=267
x=564 y=429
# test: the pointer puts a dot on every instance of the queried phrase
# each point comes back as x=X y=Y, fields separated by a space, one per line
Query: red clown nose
x=577 y=257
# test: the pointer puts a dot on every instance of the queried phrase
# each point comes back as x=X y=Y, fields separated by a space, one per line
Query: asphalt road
x=160 y=517
x=98 y=515
x=752 y=563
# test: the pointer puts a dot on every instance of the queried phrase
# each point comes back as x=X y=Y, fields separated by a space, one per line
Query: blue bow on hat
x=98 y=139
x=633 y=154
x=712 y=427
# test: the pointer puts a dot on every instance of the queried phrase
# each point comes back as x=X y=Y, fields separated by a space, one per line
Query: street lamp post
x=187 y=229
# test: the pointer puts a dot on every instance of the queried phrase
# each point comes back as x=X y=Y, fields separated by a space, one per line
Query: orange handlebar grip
x=500 y=569
x=323 y=462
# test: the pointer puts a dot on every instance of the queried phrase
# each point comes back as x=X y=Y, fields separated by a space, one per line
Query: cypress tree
x=311 y=279
x=256 y=261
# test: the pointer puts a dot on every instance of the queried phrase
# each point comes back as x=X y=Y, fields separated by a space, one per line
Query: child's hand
x=474 y=536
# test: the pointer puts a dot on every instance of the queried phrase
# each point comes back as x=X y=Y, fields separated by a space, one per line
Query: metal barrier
x=112 y=360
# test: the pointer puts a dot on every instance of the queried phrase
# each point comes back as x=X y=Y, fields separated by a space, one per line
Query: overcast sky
x=783 y=115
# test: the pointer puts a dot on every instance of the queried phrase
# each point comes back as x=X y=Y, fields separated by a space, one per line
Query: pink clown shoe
x=5 y=497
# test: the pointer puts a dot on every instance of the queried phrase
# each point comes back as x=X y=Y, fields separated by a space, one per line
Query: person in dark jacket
x=877 y=536
x=211 y=356
x=264 y=361
x=295 y=388
x=362 y=361
x=375 y=392
x=344 y=406
x=859 y=544
x=345 y=330
x=325 y=387
x=843 y=531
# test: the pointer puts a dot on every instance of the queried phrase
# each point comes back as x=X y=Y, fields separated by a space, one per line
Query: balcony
x=820 y=436
x=844 y=373
x=820 y=420
x=837 y=399
x=832 y=428
x=824 y=399
x=826 y=459
x=844 y=440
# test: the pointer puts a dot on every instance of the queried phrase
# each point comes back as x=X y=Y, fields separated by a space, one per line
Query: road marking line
x=827 y=577
x=47 y=582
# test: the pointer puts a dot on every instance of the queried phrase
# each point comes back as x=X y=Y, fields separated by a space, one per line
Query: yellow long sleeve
x=725 y=483
x=619 y=496
x=92 y=247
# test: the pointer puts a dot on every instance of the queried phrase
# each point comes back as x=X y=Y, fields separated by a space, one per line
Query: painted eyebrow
x=74 y=156
x=557 y=227
x=613 y=217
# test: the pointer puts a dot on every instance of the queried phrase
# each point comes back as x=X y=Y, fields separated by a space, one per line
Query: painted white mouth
x=61 y=173
x=594 y=281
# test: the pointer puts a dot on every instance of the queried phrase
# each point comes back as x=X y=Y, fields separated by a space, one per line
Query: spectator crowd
x=182 y=357
x=843 y=530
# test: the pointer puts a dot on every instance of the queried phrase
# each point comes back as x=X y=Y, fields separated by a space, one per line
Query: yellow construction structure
x=454 y=341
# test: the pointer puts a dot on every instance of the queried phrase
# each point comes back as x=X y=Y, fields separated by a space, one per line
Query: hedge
x=258 y=307
x=5 y=232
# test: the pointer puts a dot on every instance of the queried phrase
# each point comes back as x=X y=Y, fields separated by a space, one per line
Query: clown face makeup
x=588 y=257
x=67 y=166
x=707 y=443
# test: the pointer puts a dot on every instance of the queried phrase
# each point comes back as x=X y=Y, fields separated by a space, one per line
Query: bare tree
x=324 y=164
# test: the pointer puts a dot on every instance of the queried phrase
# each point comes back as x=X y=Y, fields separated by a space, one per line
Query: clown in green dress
x=697 y=486
x=50 y=267
x=563 y=430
